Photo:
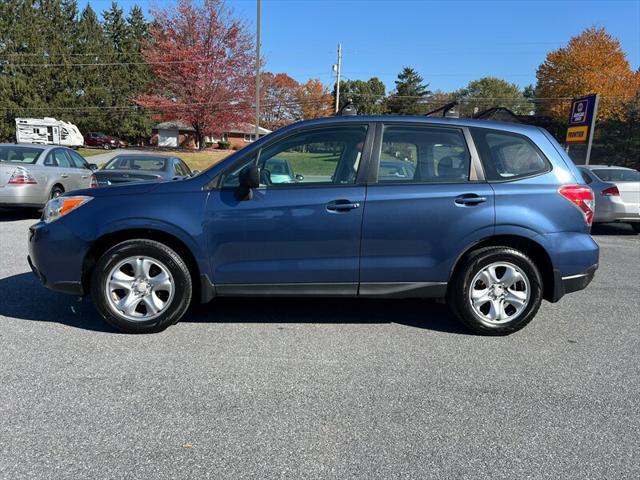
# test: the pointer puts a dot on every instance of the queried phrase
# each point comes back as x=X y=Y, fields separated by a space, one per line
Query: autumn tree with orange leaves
x=592 y=62
x=315 y=100
x=279 y=100
x=203 y=67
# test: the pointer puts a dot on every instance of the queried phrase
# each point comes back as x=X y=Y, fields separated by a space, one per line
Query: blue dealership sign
x=583 y=110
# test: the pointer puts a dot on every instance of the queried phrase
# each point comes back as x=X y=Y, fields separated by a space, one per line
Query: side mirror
x=299 y=177
x=93 y=166
x=194 y=172
x=249 y=178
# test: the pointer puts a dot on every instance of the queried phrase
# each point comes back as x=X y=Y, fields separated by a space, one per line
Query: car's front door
x=429 y=201
x=295 y=236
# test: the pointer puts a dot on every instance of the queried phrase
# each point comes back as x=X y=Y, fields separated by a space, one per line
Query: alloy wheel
x=499 y=292
x=139 y=288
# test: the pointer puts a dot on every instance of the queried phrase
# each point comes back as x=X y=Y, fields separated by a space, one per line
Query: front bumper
x=56 y=257
x=571 y=283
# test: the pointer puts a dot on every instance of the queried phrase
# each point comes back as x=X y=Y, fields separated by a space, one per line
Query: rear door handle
x=470 y=199
x=342 y=206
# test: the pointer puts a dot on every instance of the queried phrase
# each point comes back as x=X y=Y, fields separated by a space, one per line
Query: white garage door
x=168 y=138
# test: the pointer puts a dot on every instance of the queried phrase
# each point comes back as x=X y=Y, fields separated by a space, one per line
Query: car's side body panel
x=284 y=235
x=400 y=238
x=415 y=232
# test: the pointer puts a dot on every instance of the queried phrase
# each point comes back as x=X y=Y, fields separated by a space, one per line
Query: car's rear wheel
x=141 y=286
x=56 y=191
x=496 y=291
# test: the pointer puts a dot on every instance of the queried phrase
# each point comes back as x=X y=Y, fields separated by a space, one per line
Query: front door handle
x=342 y=206
x=470 y=199
x=64 y=175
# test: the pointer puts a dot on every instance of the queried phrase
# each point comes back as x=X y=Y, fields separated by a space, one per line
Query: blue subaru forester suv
x=493 y=217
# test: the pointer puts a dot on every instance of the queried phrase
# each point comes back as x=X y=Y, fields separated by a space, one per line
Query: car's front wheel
x=141 y=286
x=496 y=291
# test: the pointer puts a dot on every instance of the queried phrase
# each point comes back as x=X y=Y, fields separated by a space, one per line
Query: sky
x=448 y=42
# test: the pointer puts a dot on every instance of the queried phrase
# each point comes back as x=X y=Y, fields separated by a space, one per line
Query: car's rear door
x=426 y=201
x=297 y=237
x=84 y=172
x=67 y=173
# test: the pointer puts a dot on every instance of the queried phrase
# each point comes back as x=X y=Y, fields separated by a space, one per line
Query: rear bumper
x=615 y=210
x=572 y=283
x=22 y=196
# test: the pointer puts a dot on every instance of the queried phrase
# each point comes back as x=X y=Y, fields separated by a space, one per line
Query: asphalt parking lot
x=320 y=388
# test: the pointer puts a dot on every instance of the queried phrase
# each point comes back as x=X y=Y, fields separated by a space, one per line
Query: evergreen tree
x=93 y=96
x=408 y=97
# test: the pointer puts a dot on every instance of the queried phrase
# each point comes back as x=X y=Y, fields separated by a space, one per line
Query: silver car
x=617 y=193
x=30 y=175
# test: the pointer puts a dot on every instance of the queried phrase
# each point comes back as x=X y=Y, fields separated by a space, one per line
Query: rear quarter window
x=508 y=156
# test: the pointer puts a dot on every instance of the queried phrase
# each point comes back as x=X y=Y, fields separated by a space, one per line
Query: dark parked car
x=140 y=168
x=98 y=139
x=494 y=217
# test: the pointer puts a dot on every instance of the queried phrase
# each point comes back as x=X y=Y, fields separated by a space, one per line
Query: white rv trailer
x=48 y=131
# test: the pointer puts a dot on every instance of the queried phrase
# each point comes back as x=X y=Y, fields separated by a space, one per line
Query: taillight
x=21 y=176
x=610 y=192
x=582 y=197
x=94 y=182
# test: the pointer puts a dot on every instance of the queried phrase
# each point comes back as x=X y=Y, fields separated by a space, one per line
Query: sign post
x=582 y=122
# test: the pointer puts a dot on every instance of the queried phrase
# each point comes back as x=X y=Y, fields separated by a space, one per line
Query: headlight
x=59 y=207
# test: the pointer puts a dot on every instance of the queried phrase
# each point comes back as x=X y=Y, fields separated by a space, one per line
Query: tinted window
x=184 y=167
x=77 y=160
x=61 y=158
x=586 y=177
x=508 y=155
x=156 y=164
x=617 y=175
x=17 y=154
x=50 y=161
x=318 y=156
x=423 y=155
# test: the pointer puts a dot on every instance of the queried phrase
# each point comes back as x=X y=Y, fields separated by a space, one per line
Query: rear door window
x=76 y=160
x=61 y=158
x=423 y=154
x=508 y=156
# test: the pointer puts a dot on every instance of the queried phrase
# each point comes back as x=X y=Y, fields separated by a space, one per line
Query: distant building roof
x=248 y=128
x=171 y=125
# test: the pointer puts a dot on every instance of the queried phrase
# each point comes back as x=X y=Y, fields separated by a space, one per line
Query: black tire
x=157 y=251
x=106 y=146
x=636 y=227
x=56 y=191
x=474 y=262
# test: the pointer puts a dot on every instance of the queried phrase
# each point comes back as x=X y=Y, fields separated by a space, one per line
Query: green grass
x=323 y=164
x=88 y=152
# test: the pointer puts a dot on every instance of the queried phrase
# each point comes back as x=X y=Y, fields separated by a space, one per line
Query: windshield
x=17 y=154
x=617 y=175
x=152 y=164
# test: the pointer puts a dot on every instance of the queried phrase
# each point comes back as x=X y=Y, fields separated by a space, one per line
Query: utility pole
x=338 y=68
x=258 y=72
x=592 y=127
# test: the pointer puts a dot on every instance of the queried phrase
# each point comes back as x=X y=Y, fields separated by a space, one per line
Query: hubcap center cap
x=142 y=287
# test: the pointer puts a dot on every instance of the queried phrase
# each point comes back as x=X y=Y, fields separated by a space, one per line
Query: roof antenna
x=348 y=110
